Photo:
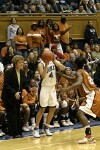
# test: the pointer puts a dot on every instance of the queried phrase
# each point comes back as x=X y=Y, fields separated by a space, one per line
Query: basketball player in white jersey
x=47 y=93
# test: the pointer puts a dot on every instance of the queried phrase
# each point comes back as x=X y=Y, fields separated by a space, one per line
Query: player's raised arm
x=42 y=70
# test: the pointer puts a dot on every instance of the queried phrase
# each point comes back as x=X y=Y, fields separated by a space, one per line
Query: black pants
x=14 y=119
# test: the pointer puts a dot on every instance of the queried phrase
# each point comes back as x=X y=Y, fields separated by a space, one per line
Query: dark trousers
x=14 y=119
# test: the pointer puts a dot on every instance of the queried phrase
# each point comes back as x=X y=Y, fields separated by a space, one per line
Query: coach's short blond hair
x=16 y=59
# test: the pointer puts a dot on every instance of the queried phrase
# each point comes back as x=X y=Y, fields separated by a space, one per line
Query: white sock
x=45 y=117
x=33 y=120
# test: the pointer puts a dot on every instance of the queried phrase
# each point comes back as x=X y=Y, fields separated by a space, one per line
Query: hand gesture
x=18 y=95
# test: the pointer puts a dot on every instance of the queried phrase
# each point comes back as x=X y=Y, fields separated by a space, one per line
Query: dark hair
x=18 y=30
x=39 y=21
x=13 y=18
x=54 y=25
x=47 y=21
x=80 y=62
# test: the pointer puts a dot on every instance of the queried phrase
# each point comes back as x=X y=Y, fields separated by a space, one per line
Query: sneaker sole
x=88 y=142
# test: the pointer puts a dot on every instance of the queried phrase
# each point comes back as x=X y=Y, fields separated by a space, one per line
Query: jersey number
x=51 y=75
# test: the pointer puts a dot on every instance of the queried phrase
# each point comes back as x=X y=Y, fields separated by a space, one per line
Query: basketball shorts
x=89 y=106
x=48 y=96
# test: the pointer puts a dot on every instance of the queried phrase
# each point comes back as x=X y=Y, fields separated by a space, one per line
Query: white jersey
x=50 y=79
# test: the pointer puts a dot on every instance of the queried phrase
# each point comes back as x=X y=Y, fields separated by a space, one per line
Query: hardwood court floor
x=66 y=140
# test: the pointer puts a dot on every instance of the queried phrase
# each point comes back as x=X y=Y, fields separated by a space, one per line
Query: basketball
x=47 y=56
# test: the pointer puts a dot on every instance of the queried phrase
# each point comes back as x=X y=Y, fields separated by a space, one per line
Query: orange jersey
x=87 y=85
x=89 y=89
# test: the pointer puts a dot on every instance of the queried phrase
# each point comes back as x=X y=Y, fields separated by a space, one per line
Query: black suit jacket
x=11 y=85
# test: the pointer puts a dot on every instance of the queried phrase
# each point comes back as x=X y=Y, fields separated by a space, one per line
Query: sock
x=45 y=117
x=33 y=120
x=67 y=115
x=87 y=131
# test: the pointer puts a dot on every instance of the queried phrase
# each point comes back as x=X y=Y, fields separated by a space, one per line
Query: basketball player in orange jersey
x=91 y=103
x=47 y=93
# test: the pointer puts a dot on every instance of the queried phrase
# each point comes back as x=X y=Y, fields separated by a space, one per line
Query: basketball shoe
x=36 y=132
x=47 y=131
x=87 y=140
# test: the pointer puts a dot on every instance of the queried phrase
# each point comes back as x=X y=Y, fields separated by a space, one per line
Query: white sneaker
x=51 y=126
x=31 y=127
x=56 y=124
x=26 y=129
x=1 y=133
x=87 y=140
x=69 y=122
x=36 y=133
x=47 y=131
x=64 y=123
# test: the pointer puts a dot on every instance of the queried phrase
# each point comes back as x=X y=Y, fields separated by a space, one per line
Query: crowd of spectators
x=50 y=6
x=30 y=46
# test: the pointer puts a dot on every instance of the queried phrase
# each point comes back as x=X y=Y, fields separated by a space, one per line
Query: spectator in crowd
x=56 y=35
x=33 y=8
x=97 y=5
x=33 y=61
x=90 y=33
x=61 y=110
x=2 y=108
x=6 y=5
x=57 y=54
x=30 y=98
x=71 y=62
x=34 y=39
x=11 y=31
x=25 y=115
x=96 y=75
x=41 y=27
x=48 y=8
x=63 y=25
x=16 y=5
x=73 y=4
x=27 y=71
x=64 y=6
x=55 y=6
x=91 y=6
x=14 y=83
x=80 y=9
x=21 y=43
x=42 y=6
x=67 y=53
x=49 y=24
x=4 y=49
x=9 y=55
x=96 y=52
x=85 y=5
x=25 y=9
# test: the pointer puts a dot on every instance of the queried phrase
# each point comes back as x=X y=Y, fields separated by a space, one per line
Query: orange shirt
x=48 y=37
x=20 y=39
x=1 y=87
x=63 y=27
x=28 y=98
x=3 y=52
x=34 y=39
